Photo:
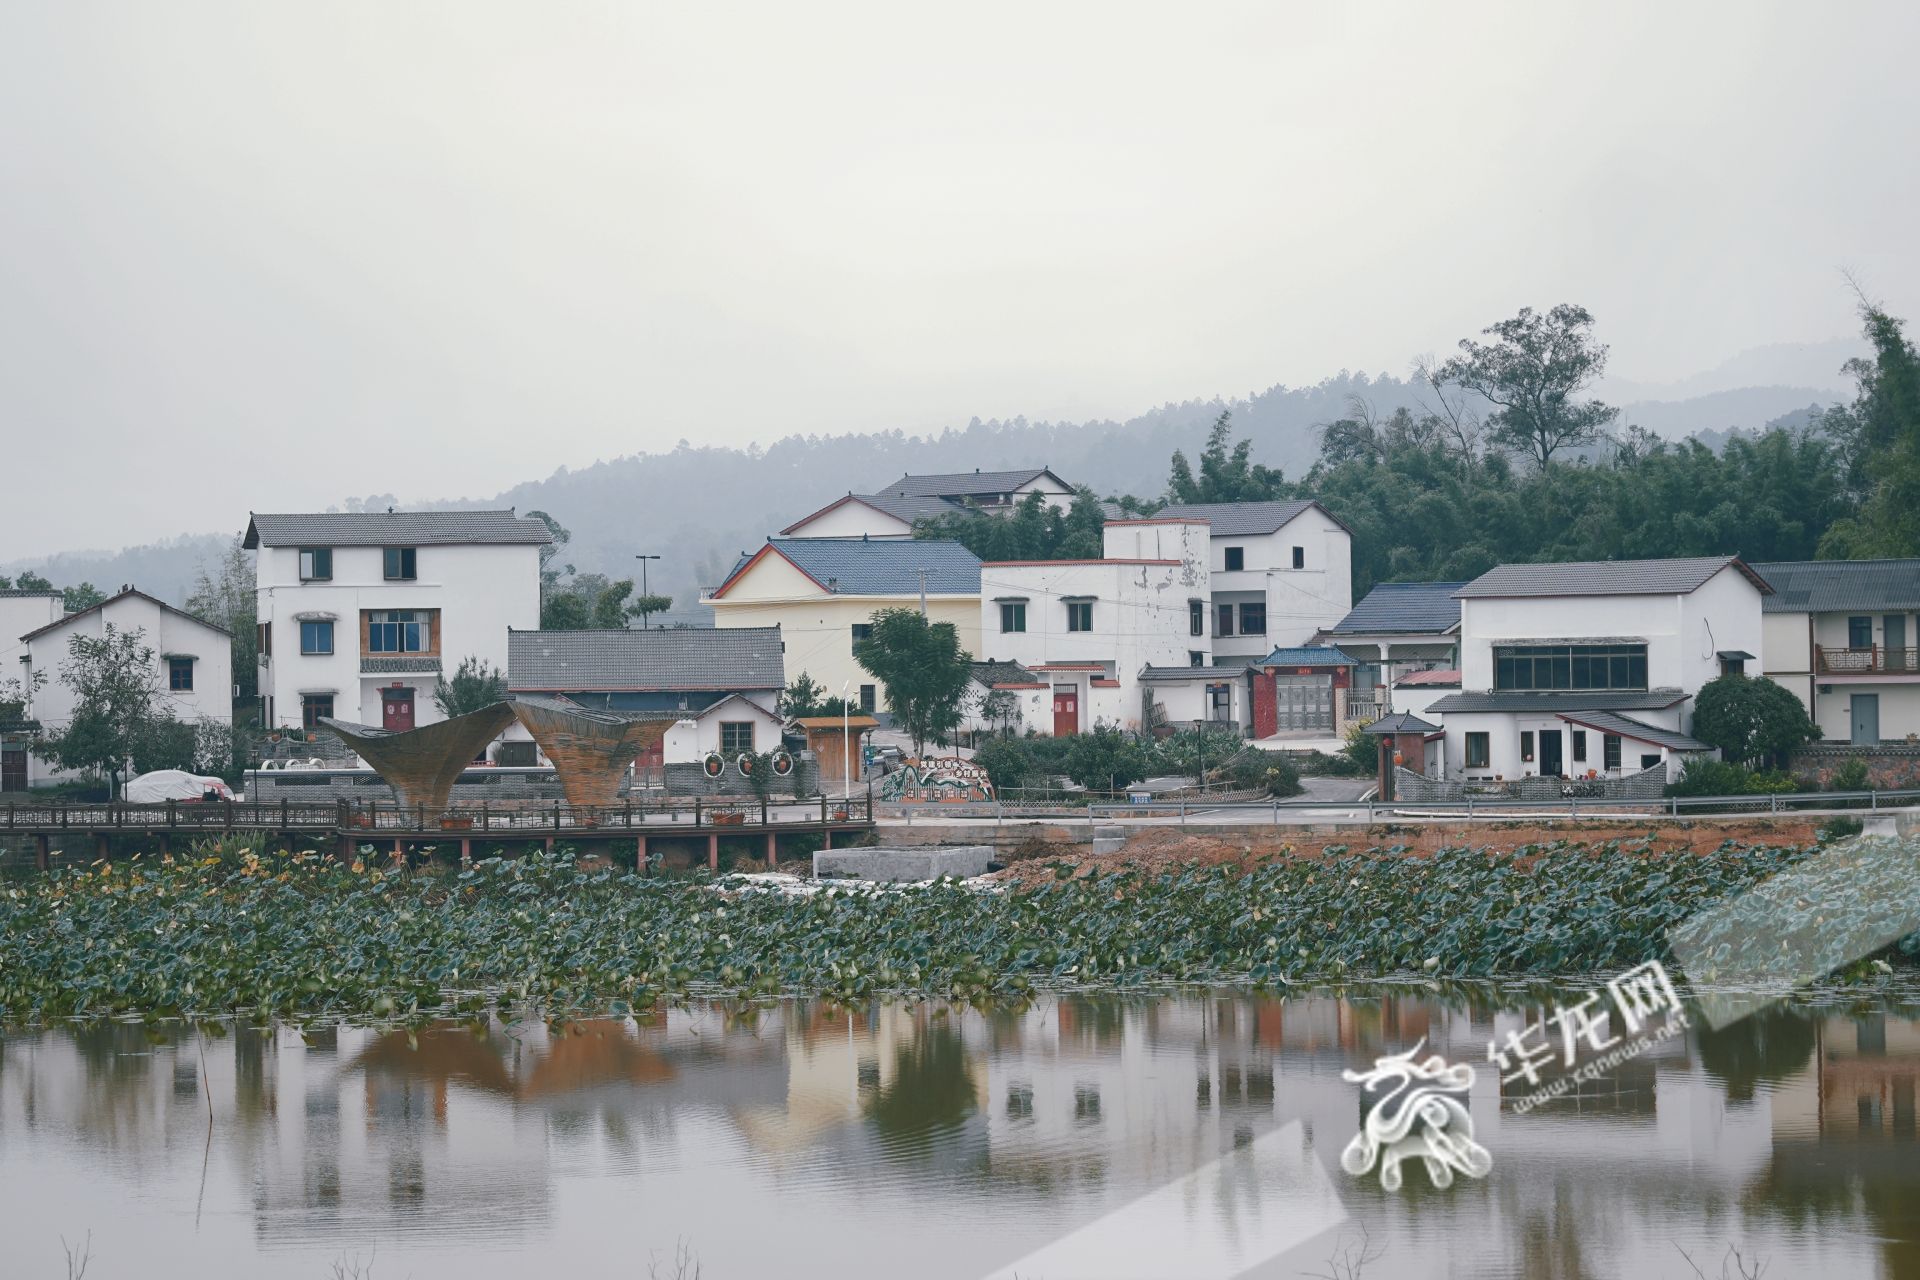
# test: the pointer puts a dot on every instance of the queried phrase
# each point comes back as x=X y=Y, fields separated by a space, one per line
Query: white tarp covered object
x=163 y=785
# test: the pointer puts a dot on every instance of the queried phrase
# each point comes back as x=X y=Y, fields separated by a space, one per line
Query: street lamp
x=645 y=618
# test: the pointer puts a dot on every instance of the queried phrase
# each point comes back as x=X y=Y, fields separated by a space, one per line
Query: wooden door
x=1066 y=710
x=396 y=710
x=13 y=767
x=1551 y=764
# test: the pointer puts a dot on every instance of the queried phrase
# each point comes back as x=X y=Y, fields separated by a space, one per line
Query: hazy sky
x=270 y=255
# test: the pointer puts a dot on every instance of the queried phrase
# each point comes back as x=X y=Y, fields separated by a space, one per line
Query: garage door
x=1303 y=703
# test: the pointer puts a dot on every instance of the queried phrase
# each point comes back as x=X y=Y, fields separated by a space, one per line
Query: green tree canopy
x=1532 y=373
x=120 y=711
x=1881 y=434
x=474 y=685
x=1751 y=719
x=923 y=669
x=223 y=595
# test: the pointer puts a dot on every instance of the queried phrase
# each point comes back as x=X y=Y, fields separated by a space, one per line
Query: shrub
x=1362 y=751
x=1703 y=776
x=1851 y=776
x=1009 y=763
x=1105 y=759
x=1751 y=718
x=1266 y=770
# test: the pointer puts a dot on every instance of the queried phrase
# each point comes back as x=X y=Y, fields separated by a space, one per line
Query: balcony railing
x=1874 y=660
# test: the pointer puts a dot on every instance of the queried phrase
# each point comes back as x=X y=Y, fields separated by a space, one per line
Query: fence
x=1645 y=784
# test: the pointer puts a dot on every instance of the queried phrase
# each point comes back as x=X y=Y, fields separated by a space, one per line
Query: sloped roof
x=1552 y=703
x=393 y=529
x=875 y=566
x=906 y=509
x=960 y=483
x=1183 y=675
x=1244 y=519
x=63 y=620
x=622 y=661
x=1606 y=578
x=1639 y=731
x=994 y=673
x=1424 y=608
x=1841 y=586
x=1401 y=722
x=1431 y=679
x=1316 y=655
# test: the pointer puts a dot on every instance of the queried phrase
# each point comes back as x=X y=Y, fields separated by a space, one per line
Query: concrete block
x=924 y=862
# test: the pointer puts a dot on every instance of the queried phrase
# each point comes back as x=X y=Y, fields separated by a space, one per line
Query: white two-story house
x=1568 y=670
x=1281 y=571
x=362 y=613
x=1089 y=628
x=1844 y=635
x=192 y=671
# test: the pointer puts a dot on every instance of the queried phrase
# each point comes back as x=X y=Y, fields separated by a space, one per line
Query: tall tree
x=923 y=669
x=119 y=708
x=1227 y=474
x=1880 y=431
x=223 y=595
x=475 y=684
x=1532 y=373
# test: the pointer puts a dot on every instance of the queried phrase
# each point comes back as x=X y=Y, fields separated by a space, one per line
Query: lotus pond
x=309 y=939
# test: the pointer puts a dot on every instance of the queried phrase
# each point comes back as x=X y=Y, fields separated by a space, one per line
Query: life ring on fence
x=782 y=763
x=713 y=764
x=744 y=763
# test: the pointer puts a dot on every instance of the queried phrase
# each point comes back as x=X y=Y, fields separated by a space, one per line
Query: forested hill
x=700 y=504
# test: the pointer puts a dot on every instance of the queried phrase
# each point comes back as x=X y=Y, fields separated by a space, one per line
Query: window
x=1610 y=751
x=399 y=564
x=397 y=631
x=316 y=564
x=1733 y=666
x=736 y=736
x=1195 y=658
x=1253 y=619
x=1236 y=558
x=1580 y=745
x=1196 y=618
x=1079 y=615
x=864 y=631
x=1299 y=557
x=1570 y=666
x=316 y=637
x=266 y=639
x=1225 y=627
x=180 y=675
x=313 y=706
x=1479 y=750
x=1013 y=617
x=1526 y=745
x=1648 y=761
x=1860 y=633
x=868 y=700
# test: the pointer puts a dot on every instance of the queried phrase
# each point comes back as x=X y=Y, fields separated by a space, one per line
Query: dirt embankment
x=1164 y=848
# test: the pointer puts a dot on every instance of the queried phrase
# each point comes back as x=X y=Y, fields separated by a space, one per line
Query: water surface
x=802 y=1140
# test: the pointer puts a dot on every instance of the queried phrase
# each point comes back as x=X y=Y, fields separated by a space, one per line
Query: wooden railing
x=1872 y=660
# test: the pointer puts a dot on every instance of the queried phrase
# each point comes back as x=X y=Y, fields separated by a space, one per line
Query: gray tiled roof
x=1427 y=608
x=393 y=529
x=882 y=566
x=692 y=658
x=1605 y=578
x=1180 y=675
x=1317 y=655
x=992 y=673
x=1401 y=722
x=1640 y=731
x=1559 y=700
x=1841 y=586
x=17 y=594
x=1240 y=519
x=956 y=484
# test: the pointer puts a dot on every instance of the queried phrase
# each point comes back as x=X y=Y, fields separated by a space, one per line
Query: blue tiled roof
x=1427 y=608
x=1317 y=655
x=885 y=567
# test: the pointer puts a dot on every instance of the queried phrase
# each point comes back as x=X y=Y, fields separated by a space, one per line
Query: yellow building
x=823 y=592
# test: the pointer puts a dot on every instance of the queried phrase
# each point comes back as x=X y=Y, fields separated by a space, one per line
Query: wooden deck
x=344 y=825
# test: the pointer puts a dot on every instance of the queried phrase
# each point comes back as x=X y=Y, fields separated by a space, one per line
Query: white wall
x=684 y=746
x=852 y=520
x=164 y=631
x=1299 y=601
x=20 y=614
x=480 y=591
x=1503 y=742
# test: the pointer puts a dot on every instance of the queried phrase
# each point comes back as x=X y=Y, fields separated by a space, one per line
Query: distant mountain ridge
x=699 y=506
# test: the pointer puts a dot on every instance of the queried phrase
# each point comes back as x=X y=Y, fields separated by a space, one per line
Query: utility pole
x=645 y=618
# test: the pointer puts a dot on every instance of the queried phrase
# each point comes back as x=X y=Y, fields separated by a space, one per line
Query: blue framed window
x=316 y=637
x=397 y=631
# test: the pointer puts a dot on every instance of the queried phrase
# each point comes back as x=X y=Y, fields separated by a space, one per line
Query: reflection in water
x=802 y=1139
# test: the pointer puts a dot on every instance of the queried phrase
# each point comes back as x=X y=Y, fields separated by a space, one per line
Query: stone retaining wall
x=1890 y=766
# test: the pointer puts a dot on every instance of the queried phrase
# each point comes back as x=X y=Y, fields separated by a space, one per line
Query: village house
x=1397 y=629
x=192 y=669
x=724 y=685
x=20 y=612
x=891 y=512
x=1088 y=627
x=822 y=594
x=362 y=613
x=1281 y=571
x=1587 y=668
x=1844 y=636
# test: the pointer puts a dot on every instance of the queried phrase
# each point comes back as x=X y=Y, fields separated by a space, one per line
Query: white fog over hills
x=699 y=504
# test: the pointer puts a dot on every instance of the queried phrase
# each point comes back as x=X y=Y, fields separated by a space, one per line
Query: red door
x=1066 y=710
x=396 y=710
x=1266 y=708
